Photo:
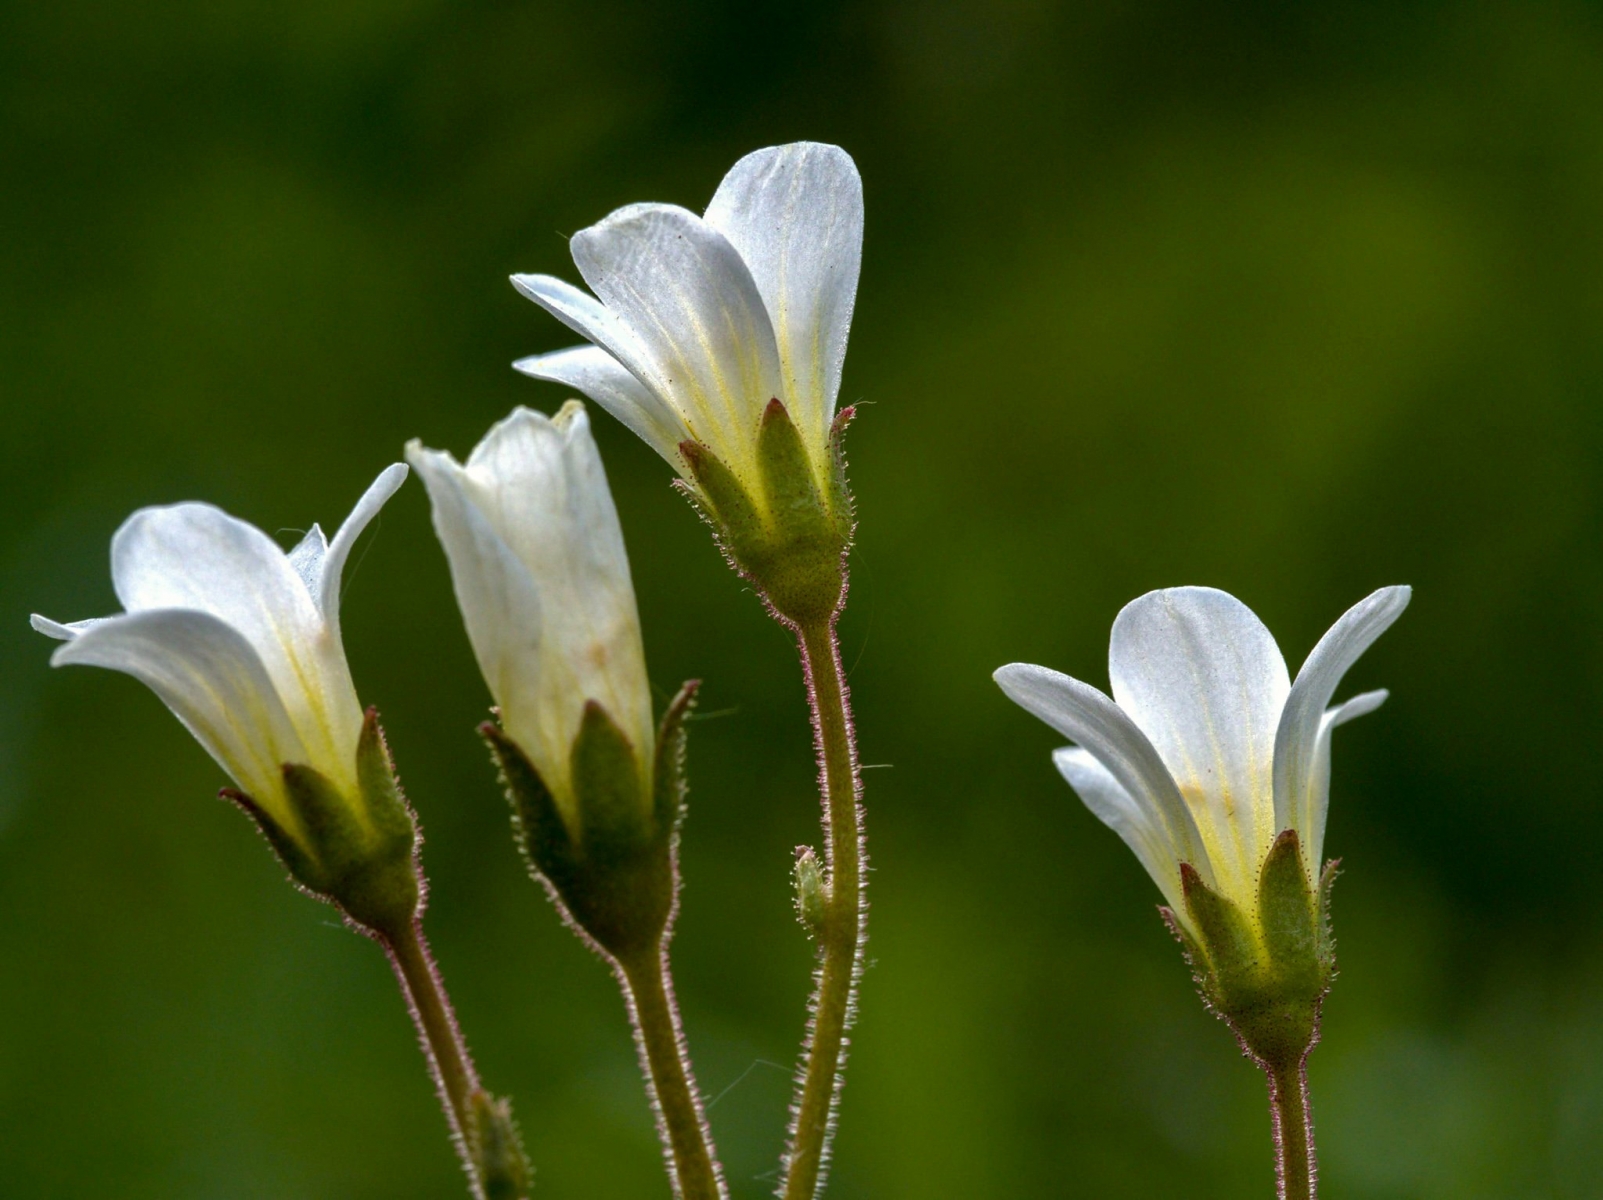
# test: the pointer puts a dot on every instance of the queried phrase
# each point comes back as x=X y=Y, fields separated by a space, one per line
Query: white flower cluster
x=701 y=322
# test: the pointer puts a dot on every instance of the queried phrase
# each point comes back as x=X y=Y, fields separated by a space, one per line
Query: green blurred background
x=1291 y=299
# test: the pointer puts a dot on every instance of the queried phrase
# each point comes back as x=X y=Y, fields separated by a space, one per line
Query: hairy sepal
x=358 y=853
x=610 y=867
x=786 y=531
x=1266 y=976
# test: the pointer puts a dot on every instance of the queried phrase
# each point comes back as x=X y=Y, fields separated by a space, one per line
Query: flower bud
x=542 y=579
x=812 y=892
x=496 y=1148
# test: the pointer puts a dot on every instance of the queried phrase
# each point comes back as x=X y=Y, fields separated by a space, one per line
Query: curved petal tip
x=49 y=628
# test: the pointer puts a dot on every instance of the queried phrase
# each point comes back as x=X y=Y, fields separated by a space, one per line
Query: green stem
x=680 y=1120
x=1295 y=1168
x=450 y=1064
x=841 y=933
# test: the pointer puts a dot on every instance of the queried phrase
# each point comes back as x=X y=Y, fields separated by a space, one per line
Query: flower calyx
x=609 y=857
x=786 y=531
x=356 y=852
x=1265 y=973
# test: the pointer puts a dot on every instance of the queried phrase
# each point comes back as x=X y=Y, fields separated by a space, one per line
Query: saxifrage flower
x=699 y=322
x=1207 y=750
x=241 y=641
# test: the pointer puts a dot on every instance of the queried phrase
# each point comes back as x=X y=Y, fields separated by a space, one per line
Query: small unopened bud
x=497 y=1148
x=812 y=892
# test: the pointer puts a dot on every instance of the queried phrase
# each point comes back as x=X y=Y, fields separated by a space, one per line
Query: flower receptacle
x=786 y=531
x=607 y=855
x=357 y=852
x=1265 y=973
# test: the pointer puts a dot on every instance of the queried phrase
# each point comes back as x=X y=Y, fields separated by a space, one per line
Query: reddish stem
x=444 y=1048
x=841 y=933
x=681 y=1122
x=1296 y=1170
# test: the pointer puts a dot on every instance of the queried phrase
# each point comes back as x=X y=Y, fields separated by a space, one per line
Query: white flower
x=542 y=579
x=701 y=321
x=239 y=639
x=1207 y=750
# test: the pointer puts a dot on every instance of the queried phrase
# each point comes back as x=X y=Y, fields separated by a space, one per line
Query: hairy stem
x=840 y=934
x=680 y=1119
x=1295 y=1167
x=450 y=1064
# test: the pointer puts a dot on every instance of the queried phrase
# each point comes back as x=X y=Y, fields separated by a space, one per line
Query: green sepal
x=612 y=872
x=670 y=785
x=298 y=861
x=1327 y=934
x=795 y=505
x=336 y=837
x=1266 y=978
x=496 y=1147
x=802 y=575
x=841 y=506
x=1236 y=974
x=790 y=537
x=538 y=828
x=394 y=824
x=614 y=810
x=726 y=504
x=355 y=852
x=1290 y=923
x=385 y=888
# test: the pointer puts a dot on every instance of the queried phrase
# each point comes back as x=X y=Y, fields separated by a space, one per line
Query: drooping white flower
x=542 y=579
x=1206 y=750
x=697 y=323
x=239 y=639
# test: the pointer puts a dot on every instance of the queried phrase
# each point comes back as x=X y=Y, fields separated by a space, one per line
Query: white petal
x=1079 y=711
x=591 y=319
x=1299 y=804
x=307 y=559
x=499 y=603
x=213 y=681
x=542 y=577
x=689 y=298
x=610 y=384
x=64 y=633
x=195 y=556
x=1313 y=828
x=1130 y=818
x=389 y=482
x=795 y=214
x=1203 y=678
x=542 y=485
